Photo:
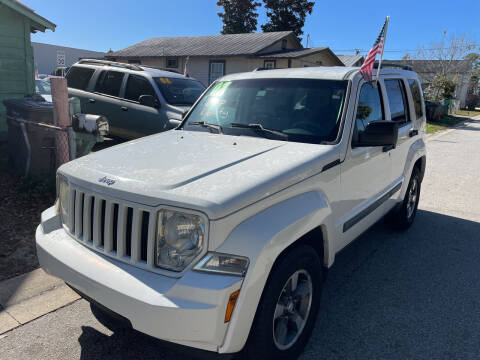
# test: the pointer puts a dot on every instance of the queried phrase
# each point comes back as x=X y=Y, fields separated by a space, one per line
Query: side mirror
x=148 y=100
x=378 y=133
x=173 y=123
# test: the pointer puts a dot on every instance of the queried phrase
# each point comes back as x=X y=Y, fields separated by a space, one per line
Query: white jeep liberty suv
x=217 y=235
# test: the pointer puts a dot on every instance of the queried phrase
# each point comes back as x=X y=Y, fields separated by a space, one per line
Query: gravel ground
x=21 y=202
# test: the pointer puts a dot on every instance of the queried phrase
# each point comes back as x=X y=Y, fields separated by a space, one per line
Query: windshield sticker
x=166 y=81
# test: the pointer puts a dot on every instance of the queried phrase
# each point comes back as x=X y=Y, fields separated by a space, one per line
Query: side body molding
x=263 y=237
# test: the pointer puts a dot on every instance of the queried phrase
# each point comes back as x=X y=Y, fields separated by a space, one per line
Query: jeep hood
x=212 y=173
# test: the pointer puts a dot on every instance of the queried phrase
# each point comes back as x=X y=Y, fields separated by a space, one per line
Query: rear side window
x=78 y=77
x=138 y=86
x=109 y=82
x=397 y=100
x=369 y=106
x=417 y=97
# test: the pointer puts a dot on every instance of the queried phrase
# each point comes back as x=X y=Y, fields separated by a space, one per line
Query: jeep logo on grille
x=106 y=180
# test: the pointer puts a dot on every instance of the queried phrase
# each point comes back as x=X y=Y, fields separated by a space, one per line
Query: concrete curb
x=29 y=296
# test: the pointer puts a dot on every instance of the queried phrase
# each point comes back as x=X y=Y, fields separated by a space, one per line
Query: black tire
x=261 y=343
x=402 y=217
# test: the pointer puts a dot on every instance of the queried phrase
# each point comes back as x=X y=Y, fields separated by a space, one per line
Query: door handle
x=124 y=108
x=387 y=148
x=91 y=101
x=413 y=133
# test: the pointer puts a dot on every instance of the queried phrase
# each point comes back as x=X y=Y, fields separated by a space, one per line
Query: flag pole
x=381 y=55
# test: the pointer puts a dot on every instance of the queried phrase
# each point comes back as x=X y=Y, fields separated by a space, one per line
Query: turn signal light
x=231 y=305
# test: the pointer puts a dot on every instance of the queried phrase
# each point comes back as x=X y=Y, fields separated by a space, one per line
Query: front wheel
x=288 y=308
x=402 y=217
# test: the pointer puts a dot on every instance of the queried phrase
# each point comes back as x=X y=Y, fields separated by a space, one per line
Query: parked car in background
x=42 y=87
x=137 y=100
x=218 y=235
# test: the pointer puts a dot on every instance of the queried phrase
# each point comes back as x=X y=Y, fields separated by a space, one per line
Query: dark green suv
x=137 y=100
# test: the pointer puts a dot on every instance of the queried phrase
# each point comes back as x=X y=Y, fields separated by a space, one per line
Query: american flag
x=367 y=68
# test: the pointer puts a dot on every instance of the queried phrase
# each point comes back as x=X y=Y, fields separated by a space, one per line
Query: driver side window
x=369 y=107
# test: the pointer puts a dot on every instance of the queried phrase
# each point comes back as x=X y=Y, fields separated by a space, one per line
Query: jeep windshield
x=299 y=110
x=178 y=91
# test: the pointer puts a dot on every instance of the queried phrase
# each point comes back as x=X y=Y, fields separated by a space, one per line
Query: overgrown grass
x=468 y=112
x=36 y=186
x=445 y=122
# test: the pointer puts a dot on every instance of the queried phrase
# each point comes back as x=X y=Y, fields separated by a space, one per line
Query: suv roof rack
x=260 y=69
x=163 y=69
x=393 y=66
x=110 y=63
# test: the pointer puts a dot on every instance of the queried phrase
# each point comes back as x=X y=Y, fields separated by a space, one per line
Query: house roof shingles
x=294 y=53
x=213 y=45
x=350 y=60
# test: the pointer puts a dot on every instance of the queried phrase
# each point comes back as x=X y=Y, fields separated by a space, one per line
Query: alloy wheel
x=292 y=309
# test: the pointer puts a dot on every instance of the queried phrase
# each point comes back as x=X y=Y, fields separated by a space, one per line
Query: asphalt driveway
x=412 y=295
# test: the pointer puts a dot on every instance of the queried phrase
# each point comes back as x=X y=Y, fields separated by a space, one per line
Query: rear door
x=137 y=119
x=105 y=100
x=78 y=79
x=400 y=112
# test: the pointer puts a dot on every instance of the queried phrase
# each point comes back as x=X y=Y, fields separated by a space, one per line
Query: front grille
x=121 y=230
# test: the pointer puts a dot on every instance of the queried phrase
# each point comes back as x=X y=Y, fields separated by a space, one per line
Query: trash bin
x=31 y=147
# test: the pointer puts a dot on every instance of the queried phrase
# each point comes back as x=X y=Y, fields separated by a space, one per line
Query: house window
x=284 y=44
x=269 y=64
x=217 y=70
x=172 y=63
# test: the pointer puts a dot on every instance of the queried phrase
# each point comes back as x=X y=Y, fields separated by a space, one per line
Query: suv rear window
x=109 y=82
x=78 y=77
x=417 y=97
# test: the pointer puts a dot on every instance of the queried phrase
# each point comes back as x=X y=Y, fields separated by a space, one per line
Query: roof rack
x=110 y=63
x=260 y=69
x=163 y=69
x=393 y=66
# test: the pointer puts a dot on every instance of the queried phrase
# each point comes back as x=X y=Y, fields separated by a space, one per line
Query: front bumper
x=188 y=311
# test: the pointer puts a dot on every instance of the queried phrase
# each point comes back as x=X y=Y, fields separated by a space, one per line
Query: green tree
x=474 y=87
x=238 y=16
x=287 y=15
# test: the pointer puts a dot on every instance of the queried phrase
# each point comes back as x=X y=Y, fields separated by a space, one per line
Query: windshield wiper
x=207 y=125
x=260 y=128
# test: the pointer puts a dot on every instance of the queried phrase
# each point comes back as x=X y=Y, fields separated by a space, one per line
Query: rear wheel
x=288 y=308
x=402 y=217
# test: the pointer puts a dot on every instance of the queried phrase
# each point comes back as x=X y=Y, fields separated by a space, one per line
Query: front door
x=137 y=119
x=366 y=171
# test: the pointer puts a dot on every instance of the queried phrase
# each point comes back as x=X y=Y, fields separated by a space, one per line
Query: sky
x=341 y=25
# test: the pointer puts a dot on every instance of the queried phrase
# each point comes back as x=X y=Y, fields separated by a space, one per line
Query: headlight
x=63 y=195
x=223 y=264
x=180 y=238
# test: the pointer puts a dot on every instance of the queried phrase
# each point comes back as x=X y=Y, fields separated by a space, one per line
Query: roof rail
x=110 y=63
x=394 y=66
x=163 y=69
x=260 y=69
